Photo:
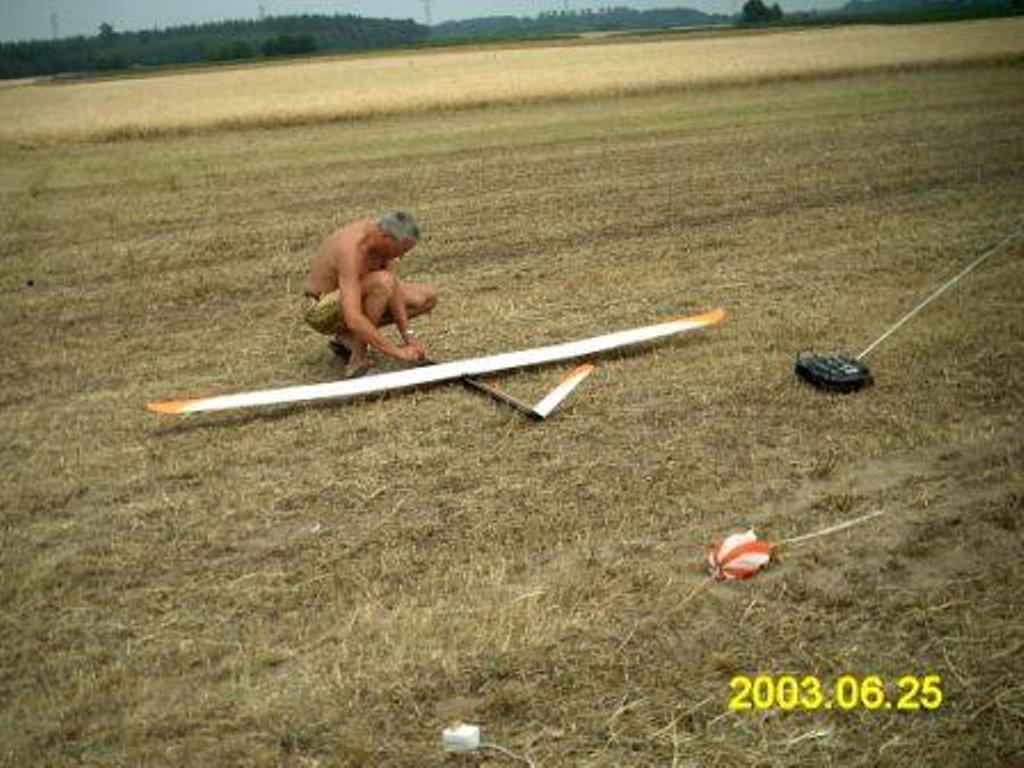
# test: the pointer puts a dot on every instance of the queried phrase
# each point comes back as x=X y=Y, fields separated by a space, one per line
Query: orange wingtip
x=577 y=372
x=711 y=317
x=170 y=406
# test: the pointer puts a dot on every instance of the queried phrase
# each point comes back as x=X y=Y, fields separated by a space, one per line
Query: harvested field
x=333 y=585
x=360 y=87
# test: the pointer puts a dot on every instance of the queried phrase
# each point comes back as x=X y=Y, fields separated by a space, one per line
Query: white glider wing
x=432 y=374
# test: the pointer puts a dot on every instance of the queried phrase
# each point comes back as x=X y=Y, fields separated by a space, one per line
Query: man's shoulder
x=358 y=225
x=350 y=243
x=355 y=232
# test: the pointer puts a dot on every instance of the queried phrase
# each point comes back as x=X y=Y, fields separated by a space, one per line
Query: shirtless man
x=353 y=290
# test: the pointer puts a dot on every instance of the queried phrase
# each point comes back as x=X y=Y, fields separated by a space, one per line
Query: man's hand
x=413 y=352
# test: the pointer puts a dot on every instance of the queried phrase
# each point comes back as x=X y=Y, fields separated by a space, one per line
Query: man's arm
x=359 y=324
x=400 y=313
x=397 y=306
x=349 y=284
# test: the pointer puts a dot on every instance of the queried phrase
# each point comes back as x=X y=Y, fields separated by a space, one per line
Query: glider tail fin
x=556 y=396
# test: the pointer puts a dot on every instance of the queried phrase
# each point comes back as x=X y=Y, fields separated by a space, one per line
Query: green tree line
x=221 y=41
x=756 y=12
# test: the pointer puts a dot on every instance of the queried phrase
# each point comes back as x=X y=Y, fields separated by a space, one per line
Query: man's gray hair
x=400 y=225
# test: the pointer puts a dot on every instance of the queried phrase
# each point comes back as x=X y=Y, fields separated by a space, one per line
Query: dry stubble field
x=332 y=585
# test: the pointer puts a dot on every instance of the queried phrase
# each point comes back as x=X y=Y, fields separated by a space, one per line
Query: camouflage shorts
x=324 y=315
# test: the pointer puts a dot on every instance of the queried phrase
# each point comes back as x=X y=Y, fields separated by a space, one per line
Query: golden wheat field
x=333 y=585
x=364 y=86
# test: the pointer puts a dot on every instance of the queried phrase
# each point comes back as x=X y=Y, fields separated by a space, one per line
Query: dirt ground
x=334 y=584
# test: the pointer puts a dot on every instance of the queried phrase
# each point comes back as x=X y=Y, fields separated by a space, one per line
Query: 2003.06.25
x=912 y=693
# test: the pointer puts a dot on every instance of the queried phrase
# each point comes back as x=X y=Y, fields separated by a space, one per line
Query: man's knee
x=428 y=300
x=380 y=283
x=419 y=299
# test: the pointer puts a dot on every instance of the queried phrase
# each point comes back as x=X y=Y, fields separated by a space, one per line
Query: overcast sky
x=33 y=19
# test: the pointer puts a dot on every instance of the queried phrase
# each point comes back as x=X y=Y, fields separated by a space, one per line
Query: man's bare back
x=356 y=268
x=344 y=251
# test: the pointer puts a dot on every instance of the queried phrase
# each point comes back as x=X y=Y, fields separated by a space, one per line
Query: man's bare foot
x=356 y=368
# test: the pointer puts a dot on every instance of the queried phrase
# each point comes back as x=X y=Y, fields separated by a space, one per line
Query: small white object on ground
x=463 y=737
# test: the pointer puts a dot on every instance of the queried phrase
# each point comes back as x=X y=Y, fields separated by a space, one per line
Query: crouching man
x=353 y=290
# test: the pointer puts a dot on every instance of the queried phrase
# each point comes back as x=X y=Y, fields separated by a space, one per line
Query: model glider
x=458 y=370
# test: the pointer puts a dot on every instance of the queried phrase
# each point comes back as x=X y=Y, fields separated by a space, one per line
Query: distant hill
x=571 y=22
x=979 y=7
